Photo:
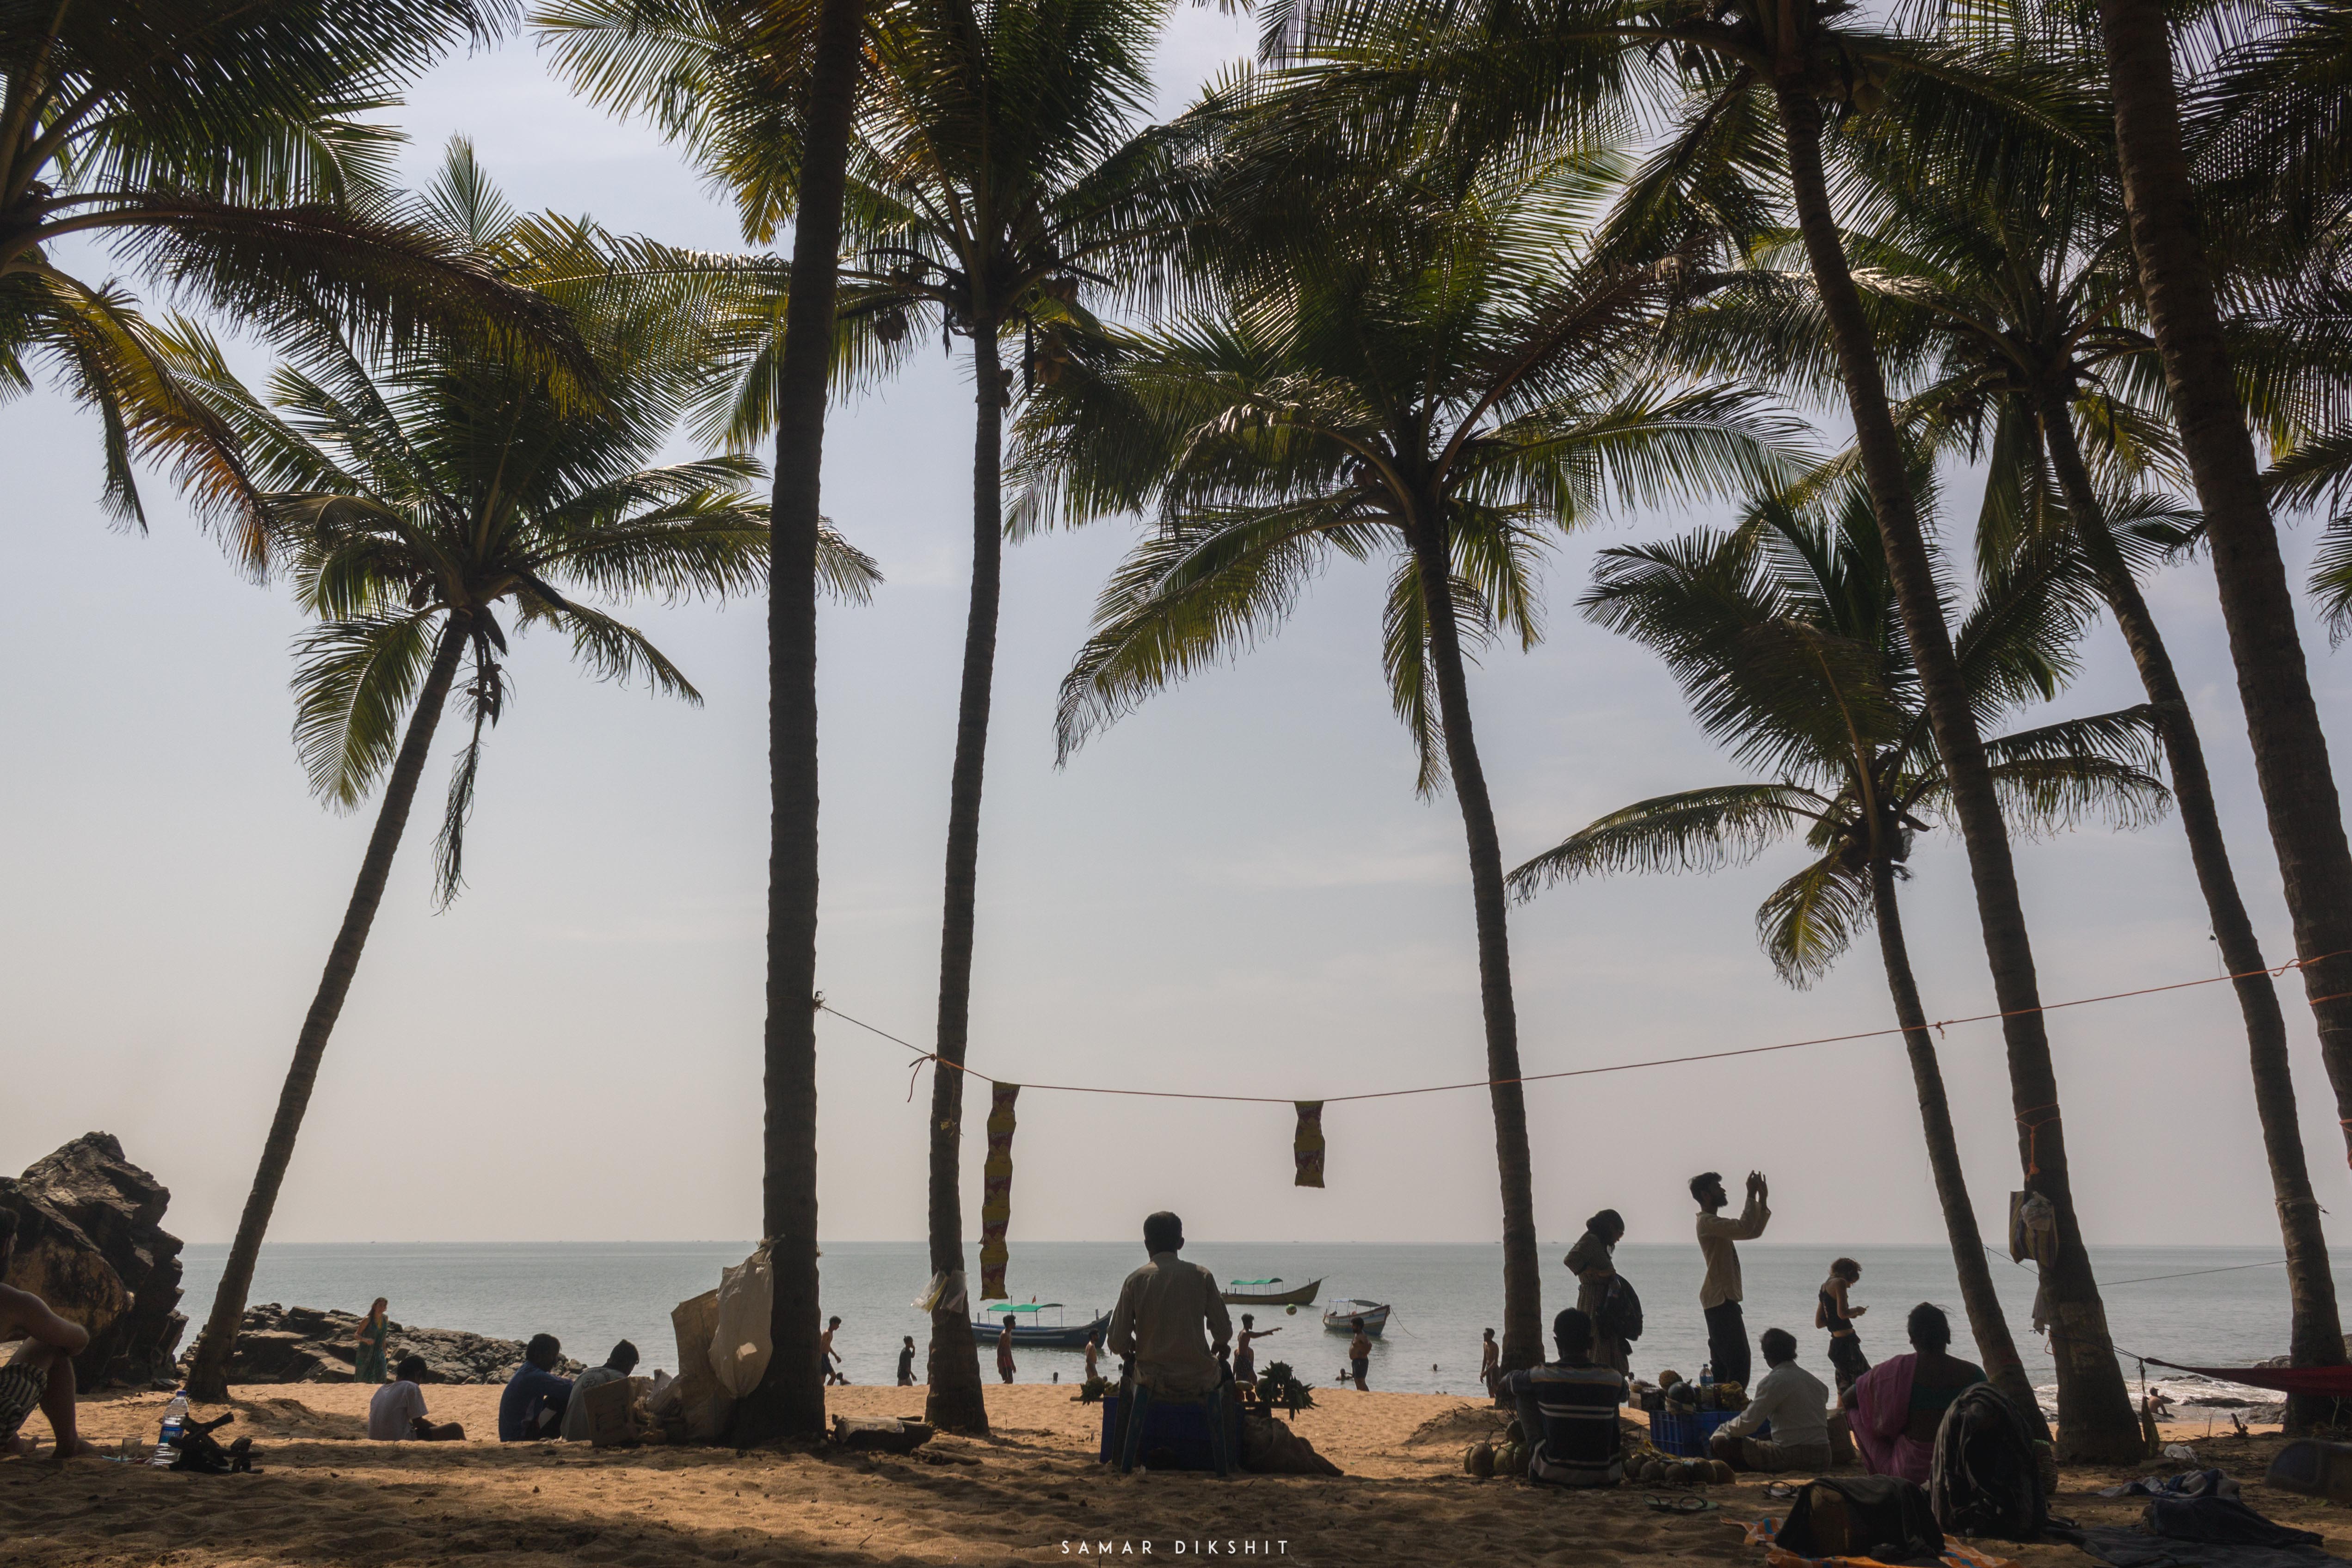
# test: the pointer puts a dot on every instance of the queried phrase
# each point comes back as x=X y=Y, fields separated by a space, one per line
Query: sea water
x=2212 y=1306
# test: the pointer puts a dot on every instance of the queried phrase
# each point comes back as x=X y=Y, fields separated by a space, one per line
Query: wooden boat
x=1029 y=1330
x=1256 y=1294
x=1341 y=1317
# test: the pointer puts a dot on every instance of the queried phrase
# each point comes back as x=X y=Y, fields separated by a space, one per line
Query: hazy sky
x=1235 y=889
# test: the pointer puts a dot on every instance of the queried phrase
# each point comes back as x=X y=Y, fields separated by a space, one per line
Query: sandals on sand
x=1688 y=1502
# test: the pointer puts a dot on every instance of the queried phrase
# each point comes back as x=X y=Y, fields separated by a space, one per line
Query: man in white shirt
x=1795 y=1406
x=1163 y=1308
x=396 y=1413
x=1719 y=1295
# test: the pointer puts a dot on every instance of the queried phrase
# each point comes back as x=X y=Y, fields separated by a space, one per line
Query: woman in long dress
x=367 y=1356
x=1593 y=1262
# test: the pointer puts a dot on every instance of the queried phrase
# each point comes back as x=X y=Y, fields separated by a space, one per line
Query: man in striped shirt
x=1568 y=1411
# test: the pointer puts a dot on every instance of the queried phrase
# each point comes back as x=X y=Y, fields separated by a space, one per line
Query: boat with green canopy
x=1262 y=1293
x=1030 y=1329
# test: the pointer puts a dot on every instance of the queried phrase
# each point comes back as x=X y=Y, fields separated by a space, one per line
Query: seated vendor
x=1897 y=1405
x=1792 y=1401
x=1171 y=1318
x=1567 y=1409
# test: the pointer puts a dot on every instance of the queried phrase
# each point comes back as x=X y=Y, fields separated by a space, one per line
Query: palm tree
x=1444 y=401
x=414 y=497
x=764 y=95
x=218 y=149
x=994 y=172
x=2177 y=282
x=1474 y=70
x=1784 y=635
x=2012 y=311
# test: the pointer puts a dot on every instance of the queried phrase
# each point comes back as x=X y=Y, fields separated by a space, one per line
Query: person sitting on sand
x=1004 y=1348
x=1163 y=1309
x=1093 y=1353
x=1570 y=1408
x=829 y=1358
x=1245 y=1358
x=532 y=1405
x=40 y=1375
x=1360 y=1355
x=576 y=1427
x=907 y=1362
x=396 y=1411
x=1896 y=1406
x=1796 y=1404
x=1490 y=1365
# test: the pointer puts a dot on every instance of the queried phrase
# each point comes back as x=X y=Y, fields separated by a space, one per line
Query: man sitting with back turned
x=532 y=1405
x=617 y=1369
x=1796 y=1404
x=396 y=1412
x=1568 y=1411
x=1162 y=1309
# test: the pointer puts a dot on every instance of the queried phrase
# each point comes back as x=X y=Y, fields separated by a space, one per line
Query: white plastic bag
x=943 y=1294
x=740 y=1347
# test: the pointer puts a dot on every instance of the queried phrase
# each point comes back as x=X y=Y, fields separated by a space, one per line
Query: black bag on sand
x=1984 y=1480
x=200 y=1452
x=1884 y=1517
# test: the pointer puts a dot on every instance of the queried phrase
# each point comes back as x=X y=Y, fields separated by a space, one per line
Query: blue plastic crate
x=1168 y=1428
x=1684 y=1433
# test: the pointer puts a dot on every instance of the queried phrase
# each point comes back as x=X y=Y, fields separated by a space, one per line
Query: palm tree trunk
x=1523 y=1340
x=208 y=1373
x=789 y=1399
x=2291 y=761
x=2317 y=1337
x=1986 y=1320
x=956 y=1403
x=2094 y=1414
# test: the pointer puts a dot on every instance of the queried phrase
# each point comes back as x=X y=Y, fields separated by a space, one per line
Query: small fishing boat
x=1341 y=1317
x=1030 y=1330
x=1260 y=1293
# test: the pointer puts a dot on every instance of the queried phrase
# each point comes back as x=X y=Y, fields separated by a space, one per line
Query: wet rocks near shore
x=90 y=1243
x=307 y=1344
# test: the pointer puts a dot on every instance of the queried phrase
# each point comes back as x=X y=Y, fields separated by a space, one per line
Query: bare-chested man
x=40 y=1375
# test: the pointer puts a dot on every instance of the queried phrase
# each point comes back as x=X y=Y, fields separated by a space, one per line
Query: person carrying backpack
x=1603 y=1294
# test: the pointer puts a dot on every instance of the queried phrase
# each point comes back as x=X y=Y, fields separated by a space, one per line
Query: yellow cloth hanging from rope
x=996 y=1193
x=1306 y=1146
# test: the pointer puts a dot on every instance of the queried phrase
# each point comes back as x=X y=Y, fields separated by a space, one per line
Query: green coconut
x=1480 y=1460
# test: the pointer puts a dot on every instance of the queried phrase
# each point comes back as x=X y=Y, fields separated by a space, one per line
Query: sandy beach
x=1030 y=1493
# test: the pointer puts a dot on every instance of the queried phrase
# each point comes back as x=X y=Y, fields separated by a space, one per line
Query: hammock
x=2330 y=1382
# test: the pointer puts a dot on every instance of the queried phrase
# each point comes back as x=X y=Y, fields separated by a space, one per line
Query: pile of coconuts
x=1646 y=1467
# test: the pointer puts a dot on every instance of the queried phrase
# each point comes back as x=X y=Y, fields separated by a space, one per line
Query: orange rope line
x=922 y=1055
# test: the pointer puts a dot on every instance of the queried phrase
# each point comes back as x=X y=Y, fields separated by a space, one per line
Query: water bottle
x=175 y=1421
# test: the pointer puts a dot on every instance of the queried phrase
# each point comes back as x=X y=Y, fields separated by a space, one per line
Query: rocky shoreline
x=309 y=1344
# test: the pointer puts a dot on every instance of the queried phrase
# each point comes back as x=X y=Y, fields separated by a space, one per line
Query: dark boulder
x=309 y=1344
x=57 y=1260
x=120 y=1208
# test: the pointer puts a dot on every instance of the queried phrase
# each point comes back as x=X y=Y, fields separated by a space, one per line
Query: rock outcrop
x=306 y=1344
x=57 y=1260
x=119 y=1209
